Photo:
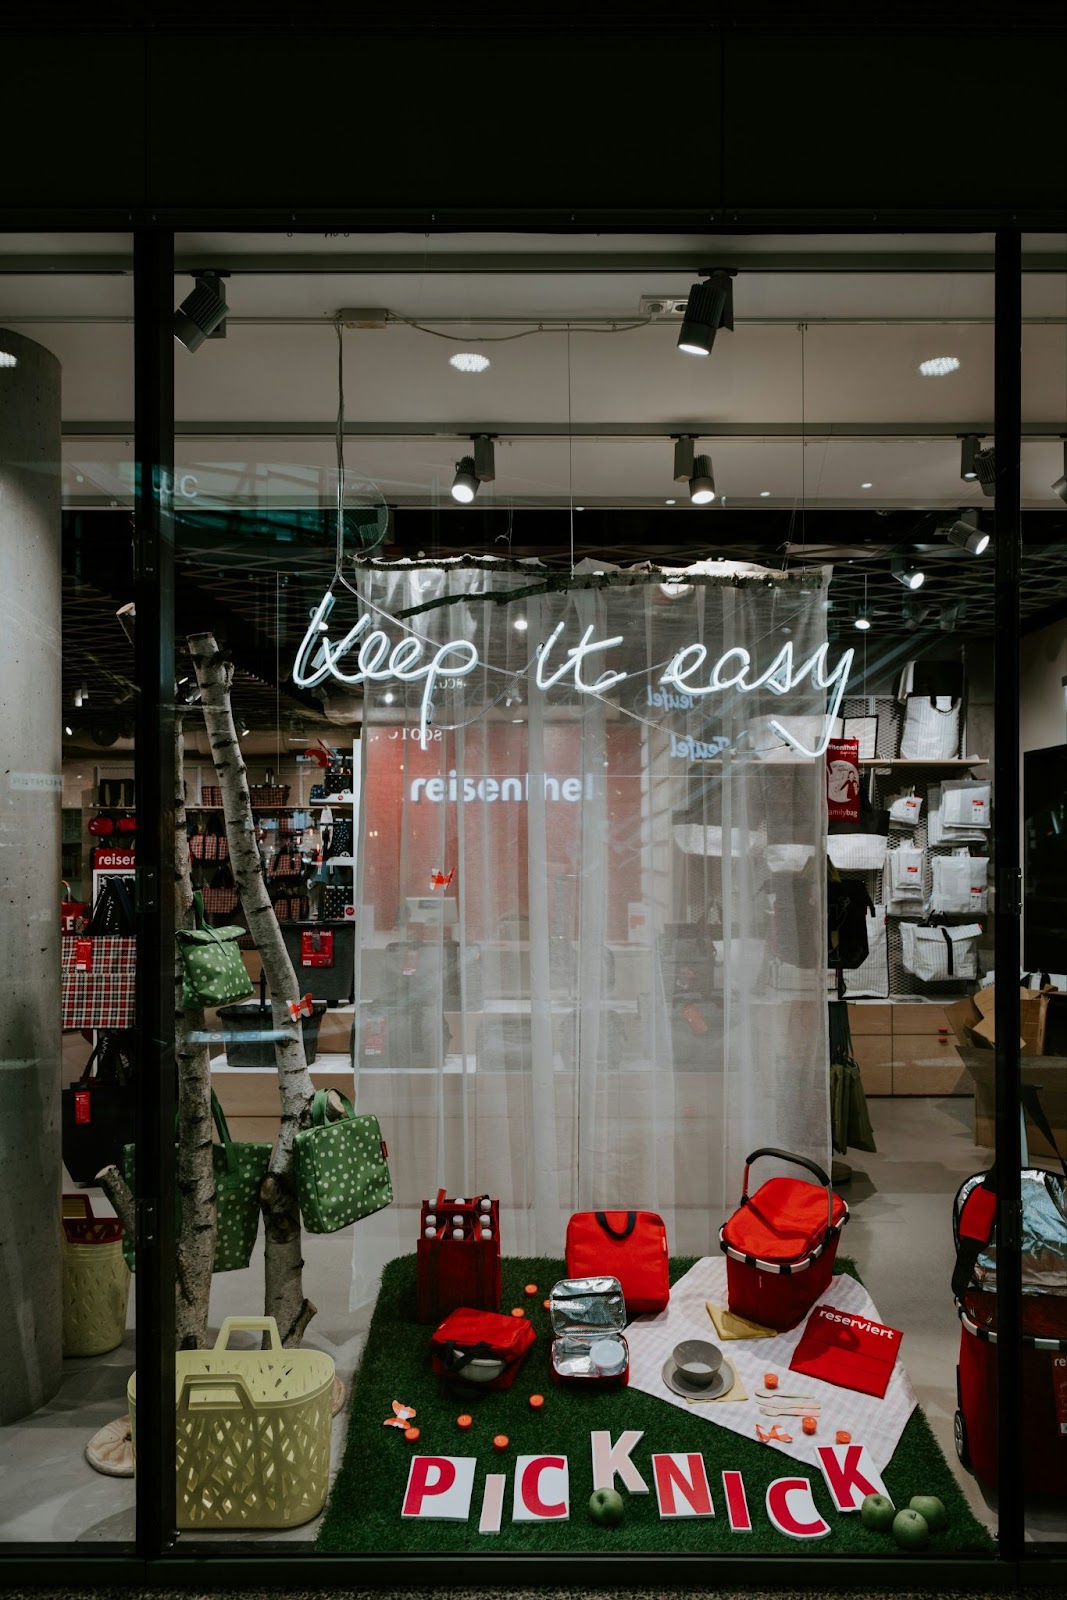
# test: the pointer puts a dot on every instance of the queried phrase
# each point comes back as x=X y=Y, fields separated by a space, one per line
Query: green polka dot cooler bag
x=342 y=1172
x=212 y=969
x=239 y=1173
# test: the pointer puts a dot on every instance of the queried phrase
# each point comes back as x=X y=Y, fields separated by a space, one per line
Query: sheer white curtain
x=618 y=990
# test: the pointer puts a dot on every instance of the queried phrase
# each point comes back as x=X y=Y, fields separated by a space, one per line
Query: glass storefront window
x=585 y=865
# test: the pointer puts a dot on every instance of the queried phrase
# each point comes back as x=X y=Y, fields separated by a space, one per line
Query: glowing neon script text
x=405 y=659
x=379 y=659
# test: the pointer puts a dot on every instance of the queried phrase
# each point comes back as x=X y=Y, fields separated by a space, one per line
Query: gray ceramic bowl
x=697 y=1360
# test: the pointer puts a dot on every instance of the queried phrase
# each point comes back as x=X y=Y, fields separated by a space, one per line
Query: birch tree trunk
x=196 y=1168
x=284 y=1297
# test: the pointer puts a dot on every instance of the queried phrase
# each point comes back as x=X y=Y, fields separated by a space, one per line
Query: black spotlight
x=710 y=307
x=202 y=314
x=966 y=534
x=1060 y=486
x=969 y=448
x=986 y=463
x=907 y=573
x=472 y=471
x=696 y=471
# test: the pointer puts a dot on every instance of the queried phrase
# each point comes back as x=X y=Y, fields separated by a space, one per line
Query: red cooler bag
x=628 y=1245
x=481 y=1348
x=780 y=1244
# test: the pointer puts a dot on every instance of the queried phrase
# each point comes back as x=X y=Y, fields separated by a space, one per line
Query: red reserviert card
x=848 y=1349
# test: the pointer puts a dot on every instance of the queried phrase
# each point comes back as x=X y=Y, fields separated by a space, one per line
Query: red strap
x=979 y=1215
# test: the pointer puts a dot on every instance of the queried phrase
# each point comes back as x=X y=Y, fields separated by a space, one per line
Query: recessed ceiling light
x=388 y=697
x=521 y=624
x=468 y=361
x=939 y=366
x=670 y=502
x=765 y=494
x=7 y=359
x=866 y=485
x=68 y=730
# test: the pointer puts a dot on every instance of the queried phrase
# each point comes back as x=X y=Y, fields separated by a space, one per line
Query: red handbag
x=628 y=1245
x=481 y=1347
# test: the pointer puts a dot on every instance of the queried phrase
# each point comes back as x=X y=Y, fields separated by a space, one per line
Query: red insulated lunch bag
x=628 y=1245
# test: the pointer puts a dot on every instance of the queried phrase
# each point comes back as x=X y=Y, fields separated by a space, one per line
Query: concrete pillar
x=30 y=799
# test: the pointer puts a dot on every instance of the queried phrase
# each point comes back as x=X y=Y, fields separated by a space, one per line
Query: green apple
x=606 y=1506
x=910 y=1530
x=930 y=1507
x=877 y=1512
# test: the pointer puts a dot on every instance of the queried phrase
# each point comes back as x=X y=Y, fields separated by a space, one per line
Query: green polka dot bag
x=239 y=1173
x=212 y=969
x=341 y=1168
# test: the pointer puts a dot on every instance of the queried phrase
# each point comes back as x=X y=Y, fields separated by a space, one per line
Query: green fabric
x=850 y=1121
x=239 y=1172
x=363 y=1514
x=212 y=968
x=341 y=1171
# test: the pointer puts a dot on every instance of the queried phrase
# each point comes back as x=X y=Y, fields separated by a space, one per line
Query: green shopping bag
x=212 y=968
x=341 y=1170
x=239 y=1172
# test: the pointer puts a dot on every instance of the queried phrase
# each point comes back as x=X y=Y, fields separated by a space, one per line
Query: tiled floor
x=900 y=1235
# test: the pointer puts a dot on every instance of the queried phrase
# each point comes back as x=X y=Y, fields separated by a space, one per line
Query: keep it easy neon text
x=381 y=659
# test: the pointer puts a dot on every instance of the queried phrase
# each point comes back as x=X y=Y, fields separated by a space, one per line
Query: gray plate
x=721 y=1383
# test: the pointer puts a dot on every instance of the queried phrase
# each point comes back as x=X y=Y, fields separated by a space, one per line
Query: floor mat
x=364 y=1511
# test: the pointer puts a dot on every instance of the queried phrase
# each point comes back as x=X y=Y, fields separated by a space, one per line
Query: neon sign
x=380 y=659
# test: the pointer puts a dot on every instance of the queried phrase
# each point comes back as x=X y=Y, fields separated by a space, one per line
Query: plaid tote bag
x=100 y=965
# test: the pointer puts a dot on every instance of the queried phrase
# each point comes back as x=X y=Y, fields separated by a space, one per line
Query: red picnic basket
x=1044 y=1382
x=780 y=1244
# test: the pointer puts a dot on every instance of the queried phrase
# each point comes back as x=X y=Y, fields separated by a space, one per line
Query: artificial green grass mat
x=363 y=1513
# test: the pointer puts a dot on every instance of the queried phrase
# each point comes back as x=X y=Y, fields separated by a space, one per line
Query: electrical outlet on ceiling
x=663 y=307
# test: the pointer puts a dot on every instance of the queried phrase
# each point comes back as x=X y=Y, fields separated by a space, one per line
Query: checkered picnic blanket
x=878 y=1424
x=105 y=996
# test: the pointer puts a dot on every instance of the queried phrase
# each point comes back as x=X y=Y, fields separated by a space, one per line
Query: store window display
x=585 y=923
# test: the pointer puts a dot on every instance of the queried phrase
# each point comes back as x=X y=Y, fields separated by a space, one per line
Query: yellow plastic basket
x=253 y=1432
x=96 y=1280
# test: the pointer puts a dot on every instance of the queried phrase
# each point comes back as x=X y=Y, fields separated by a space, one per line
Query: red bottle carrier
x=1044 y=1384
x=780 y=1245
x=458 y=1271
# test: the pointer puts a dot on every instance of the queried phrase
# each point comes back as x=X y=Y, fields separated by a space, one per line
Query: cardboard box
x=1047 y=1073
x=974 y=1023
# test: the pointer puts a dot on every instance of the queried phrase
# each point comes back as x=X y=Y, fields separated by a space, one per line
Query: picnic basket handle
x=798 y=1161
x=231 y=1381
x=266 y=1325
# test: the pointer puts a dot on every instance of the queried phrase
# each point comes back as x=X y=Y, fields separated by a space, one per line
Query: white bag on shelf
x=906 y=872
x=931 y=729
x=789 y=857
x=940 y=955
x=857 y=852
x=906 y=809
x=966 y=804
x=871 y=980
x=959 y=884
x=937 y=830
